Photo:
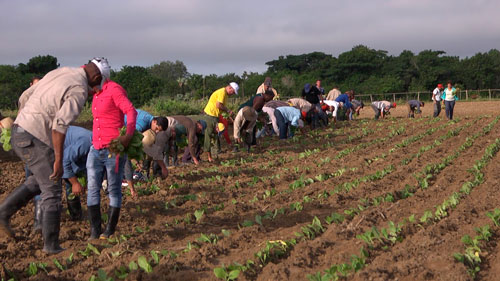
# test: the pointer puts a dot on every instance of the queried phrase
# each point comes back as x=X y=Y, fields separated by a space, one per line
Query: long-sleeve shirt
x=53 y=103
x=344 y=98
x=143 y=120
x=209 y=131
x=301 y=104
x=414 y=104
x=290 y=114
x=333 y=94
x=187 y=127
x=76 y=149
x=108 y=108
x=312 y=96
x=275 y=104
x=245 y=120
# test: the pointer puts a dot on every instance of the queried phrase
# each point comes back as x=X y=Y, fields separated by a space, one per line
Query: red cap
x=394 y=104
x=440 y=85
x=304 y=114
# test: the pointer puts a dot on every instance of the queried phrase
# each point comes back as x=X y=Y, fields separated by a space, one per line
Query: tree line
x=361 y=69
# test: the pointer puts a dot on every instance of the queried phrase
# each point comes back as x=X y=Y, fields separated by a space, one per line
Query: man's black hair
x=162 y=122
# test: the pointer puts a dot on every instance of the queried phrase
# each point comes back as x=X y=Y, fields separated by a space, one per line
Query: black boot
x=75 y=208
x=95 y=221
x=50 y=230
x=113 y=215
x=17 y=199
x=37 y=224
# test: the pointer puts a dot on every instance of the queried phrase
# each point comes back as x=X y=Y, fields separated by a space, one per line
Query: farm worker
x=187 y=133
x=267 y=85
x=449 y=97
x=269 y=108
x=333 y=94
x=436 y=99
x=215 y=105
x=76 y=148
x=320 y=89
x=381 y=108
x=145 y=121
x=347 y=105
x=414 y=107
x=313 y=95
x=109 y=105
x=333 y=107
x=307 y=109
x=171 y=148
x=247 y=118
x=356 y=108
x=287 y=116
x=46 y=110
x=213 y=130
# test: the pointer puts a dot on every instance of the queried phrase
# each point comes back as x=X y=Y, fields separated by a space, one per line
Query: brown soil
x=241 y=187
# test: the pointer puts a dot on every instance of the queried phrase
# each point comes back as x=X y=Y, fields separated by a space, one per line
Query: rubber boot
x=17 y=199
x=95 y=221
x=113 y=215
x=37 y=224
x=75 y=209
x=248 y=141
x=50 y=231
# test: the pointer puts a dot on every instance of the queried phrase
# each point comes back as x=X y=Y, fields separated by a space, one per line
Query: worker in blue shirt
x=288 y=116
x=347 y=105
x=76 y=148
x=145 y=121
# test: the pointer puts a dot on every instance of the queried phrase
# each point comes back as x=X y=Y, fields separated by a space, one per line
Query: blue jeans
x=282 y=125
x=98 y=162
x=449 y=106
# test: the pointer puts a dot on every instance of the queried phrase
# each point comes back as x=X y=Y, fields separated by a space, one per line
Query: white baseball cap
x=103 y=66
x=235 y=86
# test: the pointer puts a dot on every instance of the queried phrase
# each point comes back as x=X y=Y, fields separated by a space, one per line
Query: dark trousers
x=187 y=158
x=282 y=124
x=377 y=112
x=322 y=115
x=449 y=106
x=437 y=108
x=39 y=158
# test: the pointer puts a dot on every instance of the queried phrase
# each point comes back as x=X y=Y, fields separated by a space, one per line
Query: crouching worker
x=76 y=149
x=246 y=119
x=288 y=117
x=45 y=111
x=381 y=108
x=145 y=121
x=212 y=131
x=414 y=108
x=187 y=134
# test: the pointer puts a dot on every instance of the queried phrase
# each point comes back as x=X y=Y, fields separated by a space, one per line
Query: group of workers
x=54 y=151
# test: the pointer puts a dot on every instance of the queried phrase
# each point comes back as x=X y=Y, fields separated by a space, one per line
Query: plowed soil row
x=272 y=193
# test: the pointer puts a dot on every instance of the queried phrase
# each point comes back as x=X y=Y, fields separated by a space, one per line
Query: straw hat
x=7 y=123
x=149 y=138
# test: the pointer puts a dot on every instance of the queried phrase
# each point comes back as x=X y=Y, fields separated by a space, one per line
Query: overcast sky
x=222 y=36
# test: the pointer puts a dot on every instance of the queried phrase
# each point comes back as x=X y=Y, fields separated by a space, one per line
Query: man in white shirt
x=436 y=98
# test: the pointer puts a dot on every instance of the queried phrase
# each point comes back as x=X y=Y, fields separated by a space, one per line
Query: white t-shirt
x=335 y=105
x=437 y=94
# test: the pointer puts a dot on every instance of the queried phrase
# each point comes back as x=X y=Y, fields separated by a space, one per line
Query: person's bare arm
x=76 y=187
x=58 y=142
x=222 y=107
x=382 y=113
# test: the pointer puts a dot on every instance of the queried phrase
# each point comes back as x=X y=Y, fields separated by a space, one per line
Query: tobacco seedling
x=144 y=264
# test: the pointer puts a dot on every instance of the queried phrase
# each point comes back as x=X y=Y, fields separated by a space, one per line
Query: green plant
x=494 y=216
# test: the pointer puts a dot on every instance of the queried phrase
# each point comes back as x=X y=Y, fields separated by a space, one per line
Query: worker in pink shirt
x=109 y=105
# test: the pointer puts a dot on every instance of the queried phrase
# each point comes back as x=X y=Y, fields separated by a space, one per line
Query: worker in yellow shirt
x=217 y=104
